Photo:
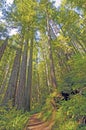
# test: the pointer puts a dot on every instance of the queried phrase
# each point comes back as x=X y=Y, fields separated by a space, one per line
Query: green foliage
x=48 y=107
x=81 y=127
x=79 y=71
x=69 y=115
x=12 y=119
x=76 y=78
x=47 y=110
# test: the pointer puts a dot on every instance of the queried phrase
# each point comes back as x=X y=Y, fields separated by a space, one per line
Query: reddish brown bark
x=52 y=68
x=29 y=79
x=20 y=91
x=10 y=92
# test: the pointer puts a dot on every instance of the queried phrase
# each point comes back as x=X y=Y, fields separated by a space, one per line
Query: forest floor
x=35 y=123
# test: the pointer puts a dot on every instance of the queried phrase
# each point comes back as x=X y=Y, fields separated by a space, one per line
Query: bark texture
x=10 y=92
x=52 y=69
x=29 y=79
x=20 y=91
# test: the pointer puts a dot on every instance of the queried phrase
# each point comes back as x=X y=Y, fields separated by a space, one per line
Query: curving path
x=35 y=123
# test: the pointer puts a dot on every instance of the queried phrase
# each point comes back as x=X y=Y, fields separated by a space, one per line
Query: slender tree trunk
x=46 y=72
x=4 y=80
x=3 y=47
x=20 y=91
x=38 y=84
x=52 y=70
x=10 y=92
x=48 y=77
x=29 y=79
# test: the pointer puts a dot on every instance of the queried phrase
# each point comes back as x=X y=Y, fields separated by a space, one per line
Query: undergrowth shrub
x=70 y=116
x=12 y=119
x=48 y=107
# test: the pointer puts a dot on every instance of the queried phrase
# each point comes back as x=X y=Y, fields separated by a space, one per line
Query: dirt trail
x=35 y=123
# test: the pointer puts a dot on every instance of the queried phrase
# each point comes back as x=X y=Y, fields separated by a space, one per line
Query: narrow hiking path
x=35 y=123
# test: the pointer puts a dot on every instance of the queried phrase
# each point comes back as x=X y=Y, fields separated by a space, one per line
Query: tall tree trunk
x=3 y=47
x=52 y=70
x=46 y=71
x=20 y=91
x=29 y=79
x=47 y=76
x=10 y=92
